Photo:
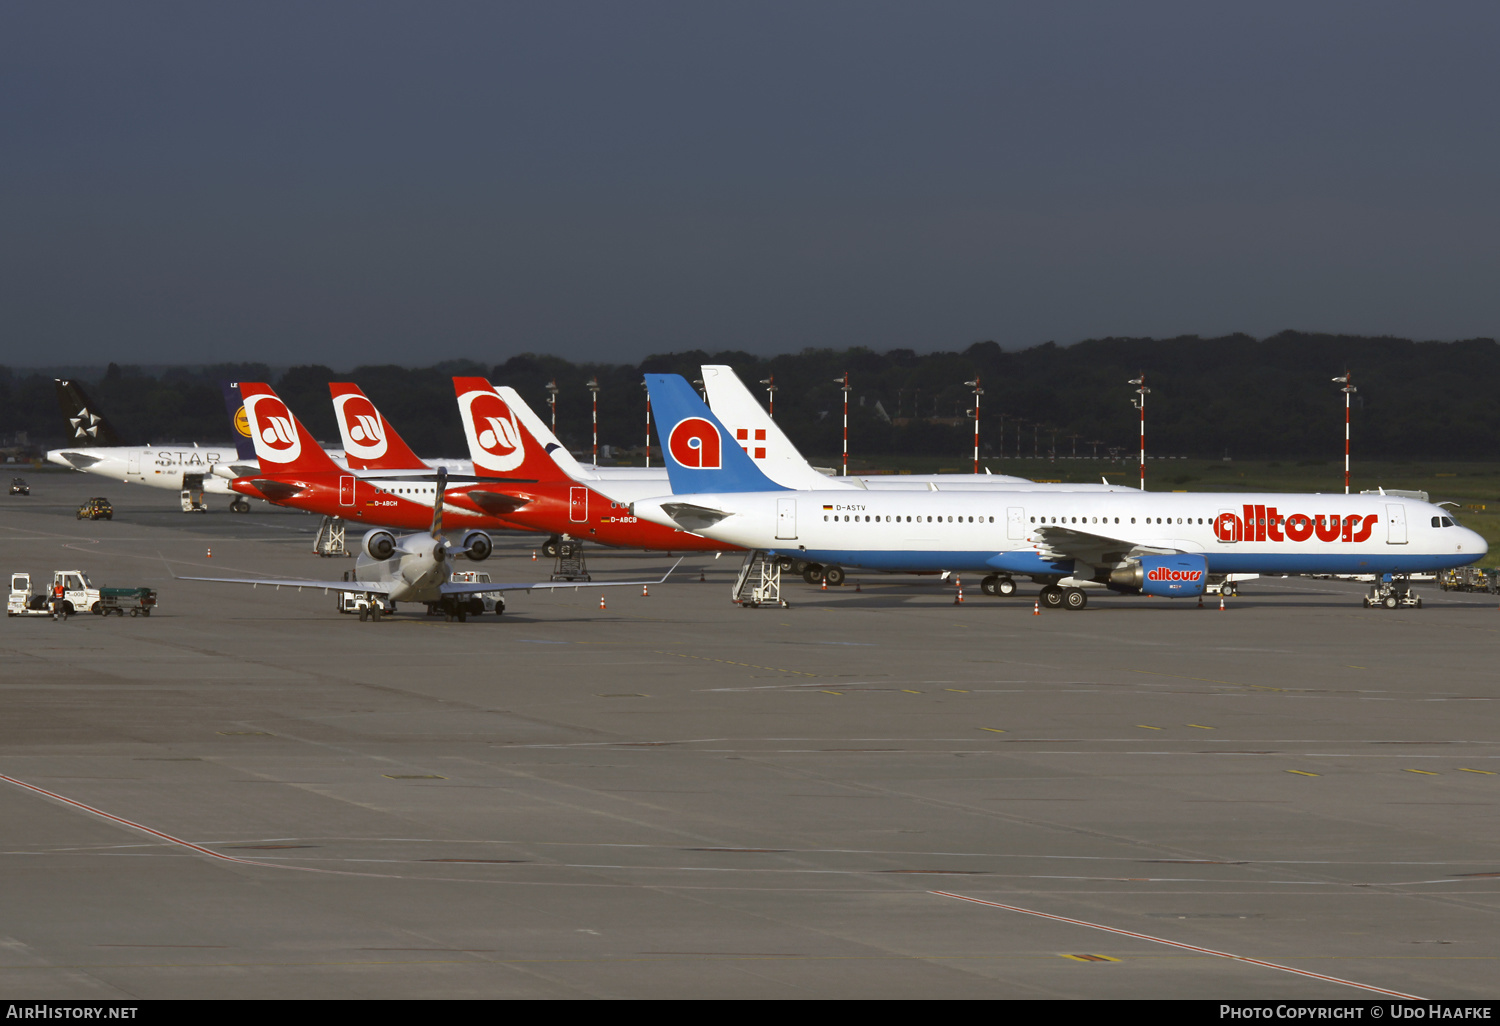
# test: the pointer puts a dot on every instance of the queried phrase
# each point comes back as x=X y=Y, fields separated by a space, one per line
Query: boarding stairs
x=759 y=581
x=330 y=539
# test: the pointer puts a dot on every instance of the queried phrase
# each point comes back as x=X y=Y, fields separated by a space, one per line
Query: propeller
x=437 y=503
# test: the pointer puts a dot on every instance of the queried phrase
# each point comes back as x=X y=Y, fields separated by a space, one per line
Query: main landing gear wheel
x=240 y=505
x=812 y=573
x=549 y=547
x=834 y=575
x=1229 y=589
x=1052 y=596
x=995 y=584
x=1075 y=598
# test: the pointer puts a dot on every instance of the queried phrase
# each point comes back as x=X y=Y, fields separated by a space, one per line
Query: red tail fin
x=499 y=443
x=282 y=444
x=370 y=443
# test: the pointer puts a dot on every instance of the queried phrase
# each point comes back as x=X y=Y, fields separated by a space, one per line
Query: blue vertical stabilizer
x=701 y=454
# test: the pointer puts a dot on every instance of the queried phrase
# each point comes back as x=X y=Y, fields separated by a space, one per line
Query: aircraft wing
x=478 y=588
x=372 y=587
x=1058 y=543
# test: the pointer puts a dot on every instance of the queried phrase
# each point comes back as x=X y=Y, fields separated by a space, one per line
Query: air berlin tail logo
x=272 y=429
x=495 y=439
x=1161 y=573
x=364 y=436
x=694 y=443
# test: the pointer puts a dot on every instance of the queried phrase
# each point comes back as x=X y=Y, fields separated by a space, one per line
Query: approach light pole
x=552 y=402
x=1347 y=380
x=977 y=393
x=844 y=381
x=770 y=384
x=593 y=386
x=648 y=422
x=1140 y=404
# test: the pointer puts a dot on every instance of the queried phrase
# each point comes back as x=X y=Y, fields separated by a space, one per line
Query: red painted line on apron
x=147 y=830
x=1179 y=944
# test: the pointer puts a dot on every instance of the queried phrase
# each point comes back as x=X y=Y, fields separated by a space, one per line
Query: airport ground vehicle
x=138 y=601
x=18 y=486
x=96 y=508
x=79 y=596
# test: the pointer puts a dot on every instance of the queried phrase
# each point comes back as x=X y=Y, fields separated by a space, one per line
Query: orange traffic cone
x=1200 y=601
x=958 y=597
x=1221 y=602
x=210 y=553
x=645 y=592
x=701 y=578
x=825 y=584
x=1036 y=610
x=533 y=555
x=601 y=601
x=856 y=587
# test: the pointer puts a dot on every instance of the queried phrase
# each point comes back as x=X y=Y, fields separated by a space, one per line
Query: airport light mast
x=1347 y=380
x=844 y=381
x=648 y=422
x=977 y=393
x=1140 y=404
x=552 y=402
x=593 y=386
x=770 y=383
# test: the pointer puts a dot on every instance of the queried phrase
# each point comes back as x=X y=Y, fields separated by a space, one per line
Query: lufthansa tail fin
x=500 y=442
x=282 y=444
x=370 y=443
x=234 y=405
x=87 y=425
x=701 y=454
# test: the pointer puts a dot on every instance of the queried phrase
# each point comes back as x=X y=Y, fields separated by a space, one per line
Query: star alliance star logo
x=85 y=424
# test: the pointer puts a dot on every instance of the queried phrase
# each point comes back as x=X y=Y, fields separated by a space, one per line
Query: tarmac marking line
x=1179 y=944
x=1304 y=773
x=1425 y=773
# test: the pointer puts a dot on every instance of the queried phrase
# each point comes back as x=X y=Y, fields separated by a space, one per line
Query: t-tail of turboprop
x=701 y=454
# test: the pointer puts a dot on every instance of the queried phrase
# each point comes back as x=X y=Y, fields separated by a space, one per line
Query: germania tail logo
x=492 y=430
x=272 y=429
x=363 y=434
x=694 y=442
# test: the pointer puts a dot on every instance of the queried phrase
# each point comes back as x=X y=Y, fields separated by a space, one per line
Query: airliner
x=1130 y=542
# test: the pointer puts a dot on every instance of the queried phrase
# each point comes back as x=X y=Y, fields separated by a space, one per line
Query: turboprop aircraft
x=416 y=568
x=520 y=481
x=1136 y=542
x=97 y=449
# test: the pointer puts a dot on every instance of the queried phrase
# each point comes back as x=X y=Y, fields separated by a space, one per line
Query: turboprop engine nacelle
x=379 y=544
x=1165 y=576
x=477 y=545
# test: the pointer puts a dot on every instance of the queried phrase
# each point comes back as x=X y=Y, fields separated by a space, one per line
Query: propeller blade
x=437 y=504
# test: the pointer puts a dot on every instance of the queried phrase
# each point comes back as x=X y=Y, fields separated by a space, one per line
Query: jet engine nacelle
x=477 y=545
x=1164 y=576
x=379 y=544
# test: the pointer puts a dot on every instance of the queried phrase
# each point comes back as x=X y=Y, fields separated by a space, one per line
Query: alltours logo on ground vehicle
x=492 y=429
x=694 y=442
x=272 y=429
x=1265 y=523
x=361 y=421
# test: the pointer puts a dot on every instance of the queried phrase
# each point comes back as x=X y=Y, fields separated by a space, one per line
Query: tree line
x=1233 y=396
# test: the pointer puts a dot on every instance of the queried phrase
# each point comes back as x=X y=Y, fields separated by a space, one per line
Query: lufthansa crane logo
x=694 y=443
x=492 y=430
x=363 y=434
x=272 y=429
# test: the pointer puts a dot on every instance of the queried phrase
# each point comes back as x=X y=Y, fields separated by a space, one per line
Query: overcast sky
x=407 y=182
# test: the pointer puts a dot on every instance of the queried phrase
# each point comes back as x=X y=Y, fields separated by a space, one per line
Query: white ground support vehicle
x=79 y=594
x=492 y=601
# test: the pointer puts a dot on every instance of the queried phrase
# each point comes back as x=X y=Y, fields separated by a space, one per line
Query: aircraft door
x=1015 y=523
x=346 y=490
x=1228 y=527
x=786 y=518
x=133 y=464
x=578 y=505
x=1395 y=519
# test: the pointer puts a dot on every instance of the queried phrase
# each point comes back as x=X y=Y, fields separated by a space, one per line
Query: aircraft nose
x=1473 y=542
